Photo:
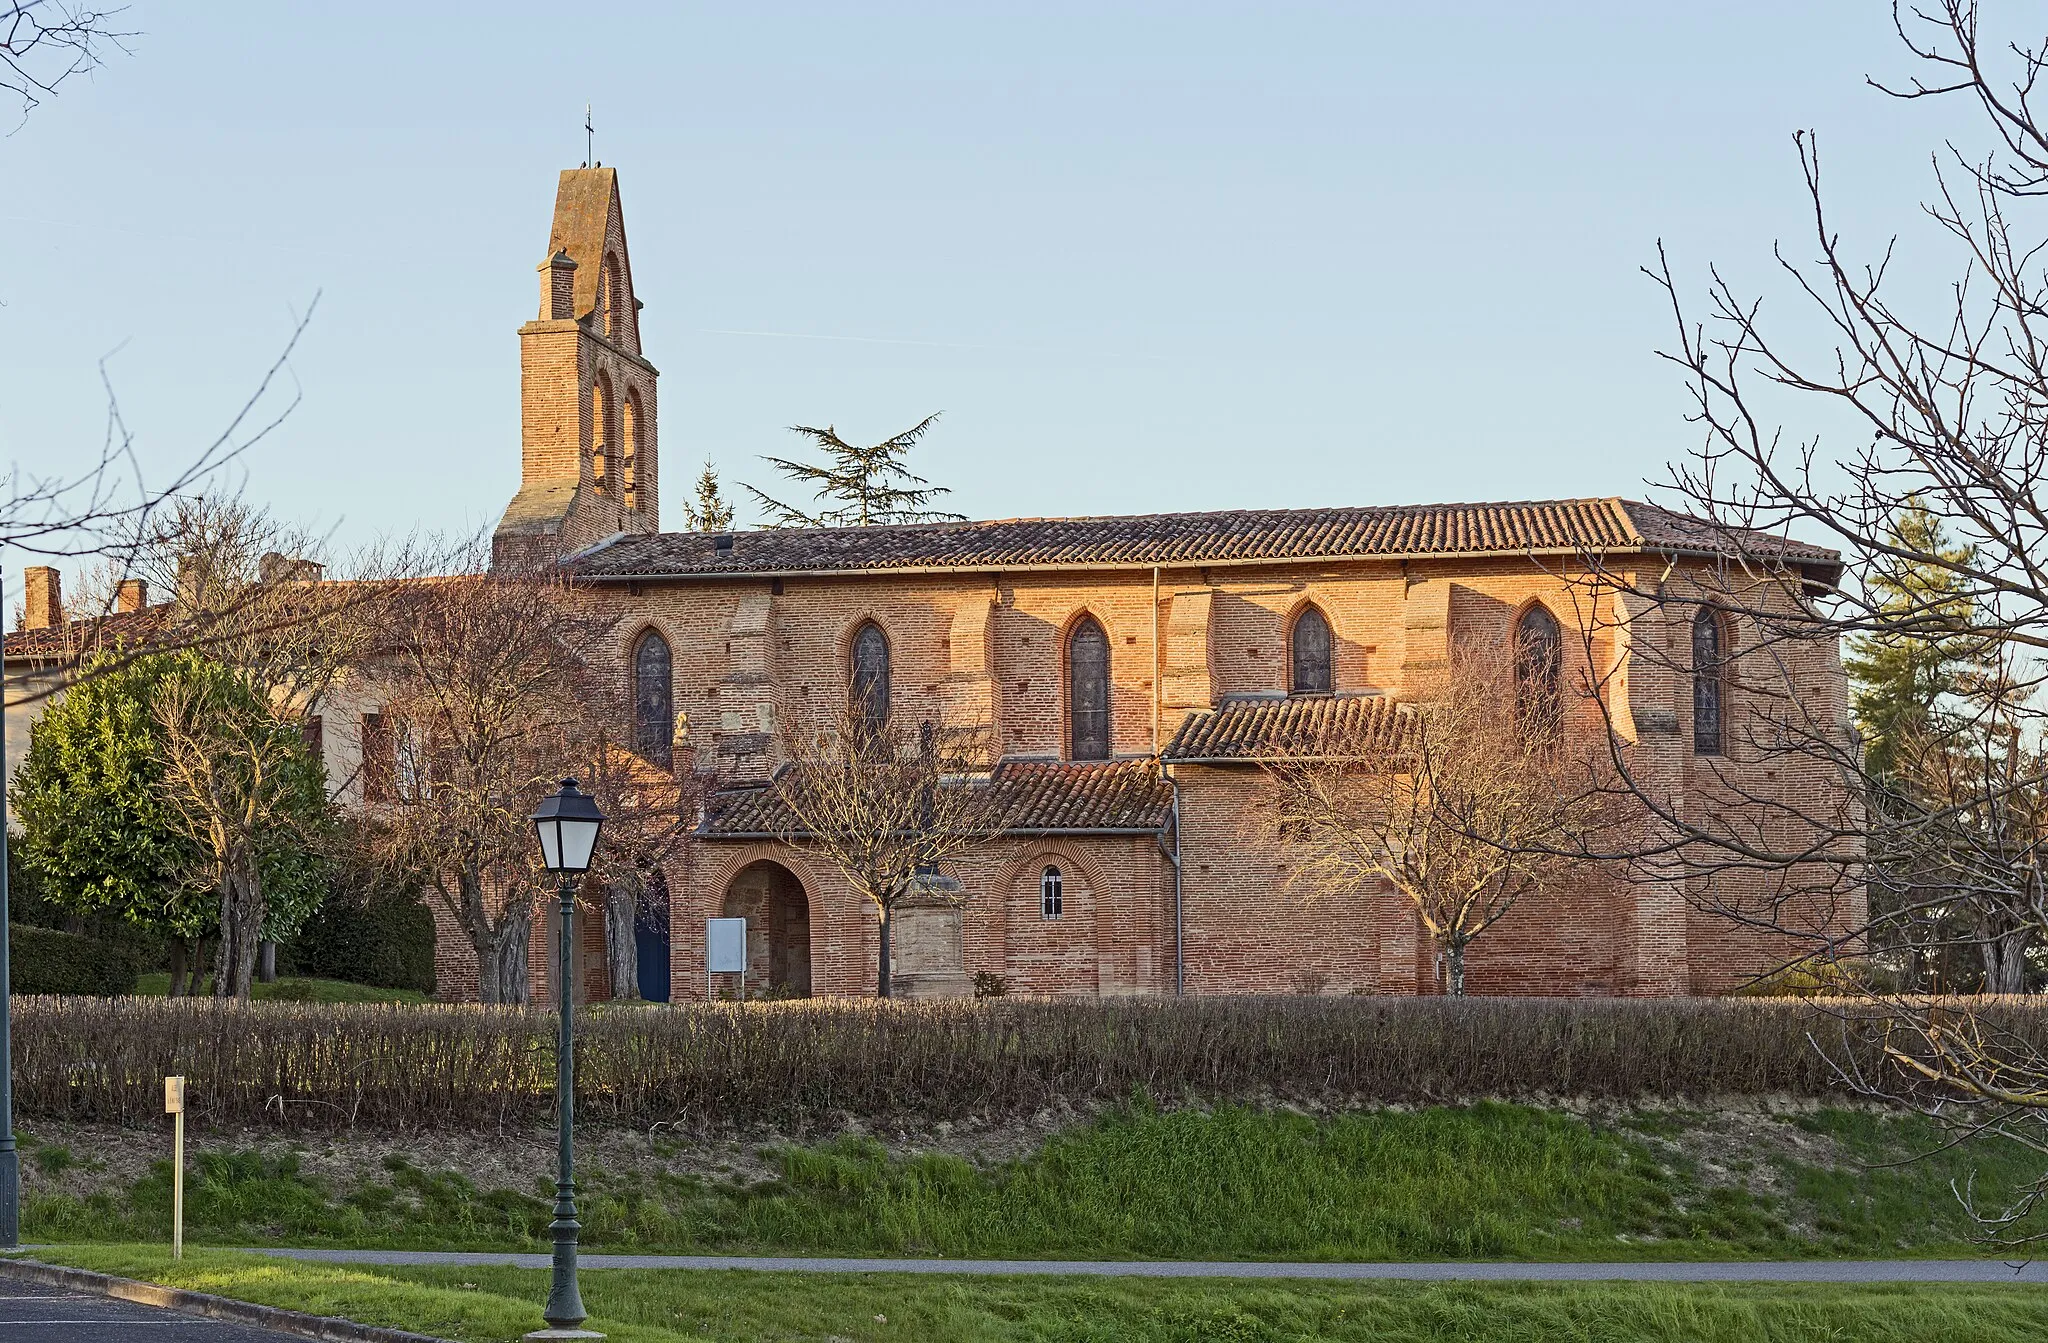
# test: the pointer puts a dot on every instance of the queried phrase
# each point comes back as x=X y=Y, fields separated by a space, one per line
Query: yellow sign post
x=174 y=1106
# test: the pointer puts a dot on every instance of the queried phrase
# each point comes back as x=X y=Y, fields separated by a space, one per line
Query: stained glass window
x=1088 y=691
x=870 y=681
x=654 y=699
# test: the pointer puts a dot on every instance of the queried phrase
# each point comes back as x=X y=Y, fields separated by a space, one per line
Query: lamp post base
x=552 y=1335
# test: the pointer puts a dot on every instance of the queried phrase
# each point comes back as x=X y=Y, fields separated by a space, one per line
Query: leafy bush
x=370 y=928
x=45 y=960
x=385 y=938
x=796 y=1064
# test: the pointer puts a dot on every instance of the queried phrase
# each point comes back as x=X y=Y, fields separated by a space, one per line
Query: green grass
x=490 y=1305
x=297 y=990
x=1490 y=1181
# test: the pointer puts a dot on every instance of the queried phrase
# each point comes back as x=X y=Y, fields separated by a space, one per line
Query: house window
x=1707 y=687
x=1539 y=669
x=654 y=699
x=380 y=760
x=1311 y=649
x=870 y=680
x=1088 y=691
x=315 y=737
x=1051 y=896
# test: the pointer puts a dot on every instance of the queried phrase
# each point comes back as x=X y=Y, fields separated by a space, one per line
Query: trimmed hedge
x=802 y=1063
x=45 y=960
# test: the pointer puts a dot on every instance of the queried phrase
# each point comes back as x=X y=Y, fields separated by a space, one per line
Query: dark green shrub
x=375 y=935
x=45 y=960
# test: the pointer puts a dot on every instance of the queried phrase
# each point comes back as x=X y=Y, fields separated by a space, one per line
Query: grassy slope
x=297 y=990
x=486 y=1304
x=1488 y=1182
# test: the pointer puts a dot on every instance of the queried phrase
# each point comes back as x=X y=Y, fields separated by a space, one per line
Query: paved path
x=1810 y=1270
x=30 y=1313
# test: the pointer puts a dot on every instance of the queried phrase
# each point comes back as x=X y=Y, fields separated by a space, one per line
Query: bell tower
x=589 y=456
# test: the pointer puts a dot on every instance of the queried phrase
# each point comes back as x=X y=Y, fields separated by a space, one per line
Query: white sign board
x=725 y=946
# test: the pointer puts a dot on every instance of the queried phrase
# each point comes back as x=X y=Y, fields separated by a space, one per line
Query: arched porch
x=772 y=901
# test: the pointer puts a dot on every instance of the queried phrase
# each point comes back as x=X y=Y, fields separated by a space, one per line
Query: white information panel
x=725 y=951
x=725 y=945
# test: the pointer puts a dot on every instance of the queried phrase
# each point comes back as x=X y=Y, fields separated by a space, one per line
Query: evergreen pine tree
x=1899 y=677
x=711 y=511
x=857 y=487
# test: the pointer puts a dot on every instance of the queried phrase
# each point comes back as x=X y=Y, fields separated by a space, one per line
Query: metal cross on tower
x=589 y=139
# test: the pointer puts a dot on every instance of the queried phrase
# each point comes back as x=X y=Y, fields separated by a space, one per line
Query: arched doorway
x=772 y=901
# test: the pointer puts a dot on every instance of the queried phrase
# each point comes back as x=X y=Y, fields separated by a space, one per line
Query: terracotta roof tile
x=1553 y=526
x=1035 y=796
x=1299 y=726
x=84 y=636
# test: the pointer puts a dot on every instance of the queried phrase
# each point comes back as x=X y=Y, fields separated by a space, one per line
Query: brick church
x=1136 y=672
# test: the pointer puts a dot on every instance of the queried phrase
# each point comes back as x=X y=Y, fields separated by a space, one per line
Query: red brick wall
x=993 y=644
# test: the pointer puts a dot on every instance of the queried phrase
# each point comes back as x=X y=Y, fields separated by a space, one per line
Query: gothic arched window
x=1539 y=669
x=1310 y=647
x=654 y=699
x=601 y=435
x=1088 y=691
x=1051 y=894
x=870 y=679
x=1707 y=655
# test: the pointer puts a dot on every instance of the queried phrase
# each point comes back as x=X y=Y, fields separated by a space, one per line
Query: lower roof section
x=1033 y=797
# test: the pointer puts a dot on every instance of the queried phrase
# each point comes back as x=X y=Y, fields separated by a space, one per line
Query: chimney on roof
x=558 y=288
x=274 y=567
x=43 y=597
x=132 y=595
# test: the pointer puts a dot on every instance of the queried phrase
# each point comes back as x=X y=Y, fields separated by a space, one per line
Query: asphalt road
x=1808 y=1270
x=30 y=1313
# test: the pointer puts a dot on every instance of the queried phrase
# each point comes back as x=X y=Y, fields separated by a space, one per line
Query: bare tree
x=45 y=42
x=487 y=700
x=240 y=784
x=1466 y=802
x=1940 y=409
x=888 y=804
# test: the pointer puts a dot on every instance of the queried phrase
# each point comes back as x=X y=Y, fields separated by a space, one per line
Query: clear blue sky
x=1145 y=257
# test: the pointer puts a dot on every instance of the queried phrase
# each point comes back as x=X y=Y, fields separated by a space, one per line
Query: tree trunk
x=241 y=929
x=501 y=972
x=622 y=949
x=1454 y=968
x=883 y=970
x=196 y=976
x=483 y=942
x=2005 y=960
x=514 y=985
x=266 y=962
x=177 y=967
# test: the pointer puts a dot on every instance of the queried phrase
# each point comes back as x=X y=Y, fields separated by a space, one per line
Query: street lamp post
x=567 y=824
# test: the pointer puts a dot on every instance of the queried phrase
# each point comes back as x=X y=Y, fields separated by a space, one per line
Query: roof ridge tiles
x=1552 y=526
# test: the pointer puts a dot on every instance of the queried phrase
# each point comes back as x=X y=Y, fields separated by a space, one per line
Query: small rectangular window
x=1051 y=896
x=380 y=760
